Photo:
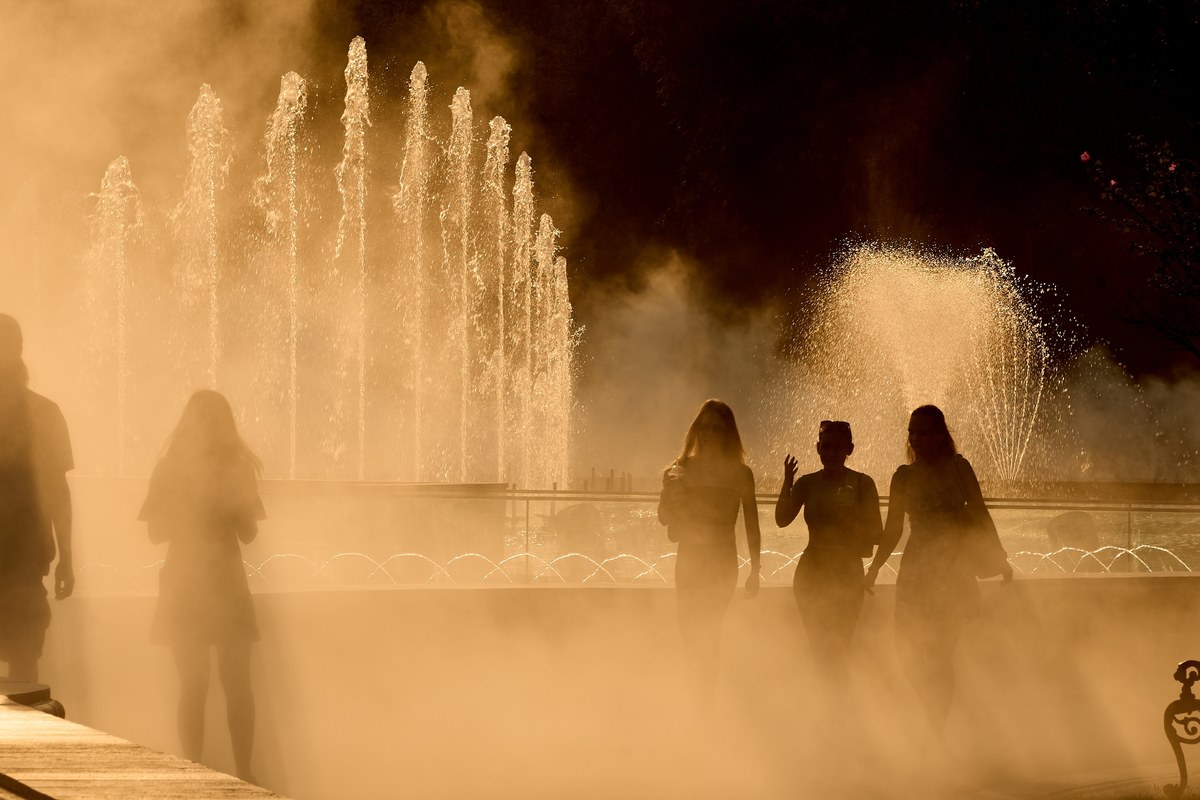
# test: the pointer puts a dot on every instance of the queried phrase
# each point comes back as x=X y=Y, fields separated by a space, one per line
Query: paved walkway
x=43 y=756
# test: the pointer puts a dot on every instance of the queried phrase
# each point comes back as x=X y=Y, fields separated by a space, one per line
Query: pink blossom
x=1172 y=167
x=1085 y=156
x=1112 y=183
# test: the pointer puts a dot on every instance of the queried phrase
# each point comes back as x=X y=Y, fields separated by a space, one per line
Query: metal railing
x=349 y=535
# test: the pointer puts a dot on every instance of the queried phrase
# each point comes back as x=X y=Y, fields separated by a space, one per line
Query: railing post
x=527 y=556
x=1129 y=536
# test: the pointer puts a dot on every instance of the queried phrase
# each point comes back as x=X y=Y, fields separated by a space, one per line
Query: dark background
x=756 y=138
x=753 y=140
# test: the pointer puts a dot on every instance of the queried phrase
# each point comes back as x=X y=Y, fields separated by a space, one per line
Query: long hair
x=207 y=432
x=730 y=440
x=945 y=446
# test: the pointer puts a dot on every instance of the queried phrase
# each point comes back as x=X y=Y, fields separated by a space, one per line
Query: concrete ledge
x=45 y=756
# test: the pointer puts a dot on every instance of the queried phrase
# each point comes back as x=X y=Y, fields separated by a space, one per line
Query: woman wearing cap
x=841 y=510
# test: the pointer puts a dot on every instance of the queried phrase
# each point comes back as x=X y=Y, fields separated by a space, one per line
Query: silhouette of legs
x=830 y=600
x=233 y=663
x=705 y=579
x=191 y=661
x=24 y=617
x=23 y=668
x=927 y=654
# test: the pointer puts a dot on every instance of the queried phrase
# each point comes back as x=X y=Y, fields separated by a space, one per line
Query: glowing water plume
x=561 y=339
x=1008 y=368
x=522 y=288
x=495 y=213
x=453 y=355
x=352 y=185
x=196 y=216
x=117 y=213
x=277 y=194
x=547 y=355
x=895 y=328
x=412 y=290
x=464 y=272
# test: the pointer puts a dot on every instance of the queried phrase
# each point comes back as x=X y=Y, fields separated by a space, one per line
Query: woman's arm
x=668 y=498
x=753 y=533
x=788 y=505
x=872 y=519
x=979 y=513
x=156 y=508
x=892 y=529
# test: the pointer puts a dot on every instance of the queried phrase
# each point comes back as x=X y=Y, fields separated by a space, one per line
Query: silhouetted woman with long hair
x=702 y=493
x=203 y=501
x=841 y=510
x=952 y=540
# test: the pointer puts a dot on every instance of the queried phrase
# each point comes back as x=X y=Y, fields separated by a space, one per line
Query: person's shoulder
x=865 y=478
x=42 y=407
x=744 y=475
x=901 y=474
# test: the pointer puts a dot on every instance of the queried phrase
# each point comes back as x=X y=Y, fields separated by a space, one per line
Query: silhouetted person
x=203 y=500
x=701 y=495
x=952 y=539
x=841 y=510
x=35 y=509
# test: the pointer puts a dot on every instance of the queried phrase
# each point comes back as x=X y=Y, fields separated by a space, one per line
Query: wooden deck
x=44 y=756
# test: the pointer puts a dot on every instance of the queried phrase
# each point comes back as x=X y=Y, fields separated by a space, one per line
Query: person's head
x=12 y=367
x=835 y=442
x=714 y=431
x=207 y=431
x=929 y=438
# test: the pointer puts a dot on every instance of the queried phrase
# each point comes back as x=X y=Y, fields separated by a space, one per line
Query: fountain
x=195 y=218
x=895 y=328
x=117 y=214
x=276 y=193
x=352 y=186
x=429 y=337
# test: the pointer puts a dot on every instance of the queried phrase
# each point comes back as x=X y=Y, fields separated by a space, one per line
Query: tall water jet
x=545 y=250
x=196 y=215
x=561 y=339
x=464 y=272
x=117 y=213
x=352 y=185
x=522 y=288
x=278 y=195
x=411 y=292
x=894 y=328
x=495 y=213
x=458 y=350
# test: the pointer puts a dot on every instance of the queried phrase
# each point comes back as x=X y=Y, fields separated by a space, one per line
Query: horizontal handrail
x=499 y=492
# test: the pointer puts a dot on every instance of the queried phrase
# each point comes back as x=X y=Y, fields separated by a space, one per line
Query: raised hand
x=789 y=470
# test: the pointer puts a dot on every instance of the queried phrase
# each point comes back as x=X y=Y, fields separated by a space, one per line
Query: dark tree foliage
x=1153 y=199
